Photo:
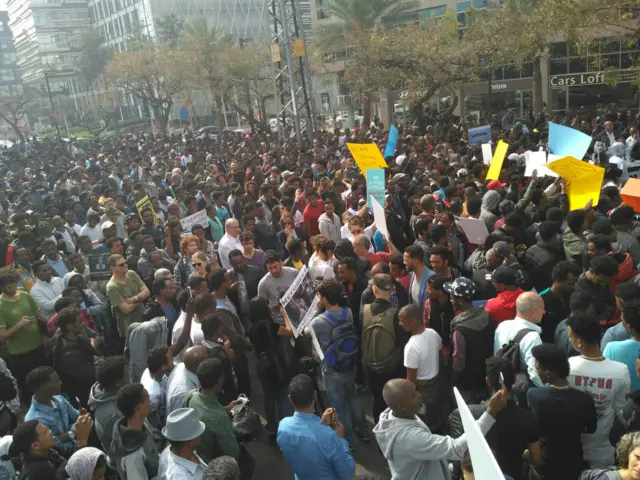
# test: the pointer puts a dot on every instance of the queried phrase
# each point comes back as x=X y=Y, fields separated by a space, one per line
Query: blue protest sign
x=375 y=185
x=391 y=143
x=567 y=141
x=480 y=135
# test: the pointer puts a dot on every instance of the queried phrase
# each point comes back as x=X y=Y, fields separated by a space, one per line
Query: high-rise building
x=10 y=82
x=45 y=35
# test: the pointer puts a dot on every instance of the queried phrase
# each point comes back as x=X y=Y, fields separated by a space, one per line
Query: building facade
x=10 y=81
x=46 y=34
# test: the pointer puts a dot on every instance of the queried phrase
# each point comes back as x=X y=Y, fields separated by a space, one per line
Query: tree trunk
x=220 y=113
x=366 y=110
x=161 y=114
x=417 y=107
x=16 y=130
x=537 y=88
x=454 y=105
x=252 y=121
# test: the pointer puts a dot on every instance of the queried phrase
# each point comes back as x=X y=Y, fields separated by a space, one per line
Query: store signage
x=593 y=78
x=498 y=86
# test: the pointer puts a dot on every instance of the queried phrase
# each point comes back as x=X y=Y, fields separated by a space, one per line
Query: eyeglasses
x=287 y=223
x=199 y=264
x=122 y=264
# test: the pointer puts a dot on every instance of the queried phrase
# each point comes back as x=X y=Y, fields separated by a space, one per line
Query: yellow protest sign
x=146 y=203
x=583 y=180
x=497 y=161
x=367 y=155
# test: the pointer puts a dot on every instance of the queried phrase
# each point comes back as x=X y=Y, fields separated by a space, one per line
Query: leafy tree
x=155 y=75
x=170 y=29
x=352 y=17
x=94 y=56
x=13 y=108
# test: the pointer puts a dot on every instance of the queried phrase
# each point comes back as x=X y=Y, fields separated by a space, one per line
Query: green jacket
x=219 y=437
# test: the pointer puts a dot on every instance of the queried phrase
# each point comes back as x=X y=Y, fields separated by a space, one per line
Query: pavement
x=270 y=464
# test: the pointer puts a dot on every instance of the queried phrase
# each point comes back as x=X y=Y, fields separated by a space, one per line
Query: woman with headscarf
x=88 y=463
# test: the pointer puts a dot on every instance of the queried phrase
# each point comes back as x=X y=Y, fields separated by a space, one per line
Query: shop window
x=558 y=66
x=578 y=65
x=609 y=45
x=498 y=73
x=511 y=71
x=609 y=61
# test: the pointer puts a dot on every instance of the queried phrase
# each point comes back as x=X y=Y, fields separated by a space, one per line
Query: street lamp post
x=46 y=79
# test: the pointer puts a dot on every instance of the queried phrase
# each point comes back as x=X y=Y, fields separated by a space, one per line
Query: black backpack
x=511 y=351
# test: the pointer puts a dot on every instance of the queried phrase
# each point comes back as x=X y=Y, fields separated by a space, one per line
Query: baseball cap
x=462 y=173
x=399 y=176
x=461 y=287
x=495 y=185
x=383 y=282
x=503 y=248
x=504 y=276
x=107 y=224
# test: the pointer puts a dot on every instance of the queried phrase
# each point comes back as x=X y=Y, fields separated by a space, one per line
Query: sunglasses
x=199 y=264
x=122 y=264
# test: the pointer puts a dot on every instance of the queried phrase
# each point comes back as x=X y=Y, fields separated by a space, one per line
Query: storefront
x=514 y=94
x=591 y=92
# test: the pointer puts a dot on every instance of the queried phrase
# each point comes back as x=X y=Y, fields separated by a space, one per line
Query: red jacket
x=503 y=307
x=626 y=269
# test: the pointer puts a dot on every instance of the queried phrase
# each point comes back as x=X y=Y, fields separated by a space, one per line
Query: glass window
x=558 y=66
x=480 y=3
x=498 y=73
x=609 y=45
x=558 y=50
x=578 y=65
x=463 y=6
x=511 y=71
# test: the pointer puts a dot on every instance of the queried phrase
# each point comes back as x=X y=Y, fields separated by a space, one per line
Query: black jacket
x=154 y=310
x=229 y=391
x=540 y=260
x=627 y=419
x=40 y=467
x=73 y=360
x=604 y=302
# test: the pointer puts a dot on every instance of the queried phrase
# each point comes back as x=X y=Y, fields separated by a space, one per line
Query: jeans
x=376 y=382
x=276 y=404
x=102 y=318
x=341 y=388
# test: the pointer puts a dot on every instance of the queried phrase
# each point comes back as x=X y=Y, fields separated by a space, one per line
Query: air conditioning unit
x=344 y=100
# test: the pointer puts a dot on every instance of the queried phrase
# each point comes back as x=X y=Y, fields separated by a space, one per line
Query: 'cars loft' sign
x=593 y=78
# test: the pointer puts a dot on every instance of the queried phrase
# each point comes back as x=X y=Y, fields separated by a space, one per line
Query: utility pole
x=292 y=84
x=46 y=79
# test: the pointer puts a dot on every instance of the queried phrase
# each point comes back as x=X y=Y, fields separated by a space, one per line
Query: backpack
x=379 y=352
x=511 y=350
x=342 y=351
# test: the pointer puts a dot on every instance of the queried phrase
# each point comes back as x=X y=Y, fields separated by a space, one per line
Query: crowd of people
x=128 y=338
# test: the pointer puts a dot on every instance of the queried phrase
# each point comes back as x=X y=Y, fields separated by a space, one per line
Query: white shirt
x=76 y=228
x=173 y=467
x=228 y=243
x=180 y=382
x=422 y=352
x=46 y=294
x=320 y=269
x=608 y=383
x=346 y=233
x=157 y=393
x=507 y=330
x=186 y=160
x=94 y=233
x=195 y=337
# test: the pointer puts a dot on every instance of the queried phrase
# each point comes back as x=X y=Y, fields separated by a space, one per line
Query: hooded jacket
x=626 y=269
x=142 y=337
x=102 y=404
x=330 y=229
x=490 y=202
x=573 y=246
x=145 y=269
x=610 y=473
x=476 y=327
x=134 y=451
x=414 y=453
x=540 y=260
x=503 y=307
x=627 y=419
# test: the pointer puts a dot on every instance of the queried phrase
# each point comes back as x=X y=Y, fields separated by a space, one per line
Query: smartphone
x=439 y=207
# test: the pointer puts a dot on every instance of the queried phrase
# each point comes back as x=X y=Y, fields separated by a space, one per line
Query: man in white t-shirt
x=607 y=382
x=422 y=361
x=154 y=380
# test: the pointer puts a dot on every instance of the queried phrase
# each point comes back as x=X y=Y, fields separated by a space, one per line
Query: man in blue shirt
x=313 y=447
x=49 y=407
x=626 y=351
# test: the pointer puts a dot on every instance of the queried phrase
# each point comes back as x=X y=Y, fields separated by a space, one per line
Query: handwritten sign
x=497 y=160
x=584 y=181
x=367 y=155
x=376 y=185
x=198 y=218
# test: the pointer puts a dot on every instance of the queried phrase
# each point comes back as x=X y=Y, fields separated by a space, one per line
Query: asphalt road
x=270 y=464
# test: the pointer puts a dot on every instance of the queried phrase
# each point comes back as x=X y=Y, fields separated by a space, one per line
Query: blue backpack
x=342 y=351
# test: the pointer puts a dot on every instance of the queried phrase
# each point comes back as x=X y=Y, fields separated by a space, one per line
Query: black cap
x=504 y=276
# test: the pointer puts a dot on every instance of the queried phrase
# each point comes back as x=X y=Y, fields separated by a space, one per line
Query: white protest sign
x=537 y=161
x=286 y=298
x=474 y=228
x=198 y=218
x=485 y=466
x=552 y=158
x=486 y=153
x=378 y=217
x=306 y=320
